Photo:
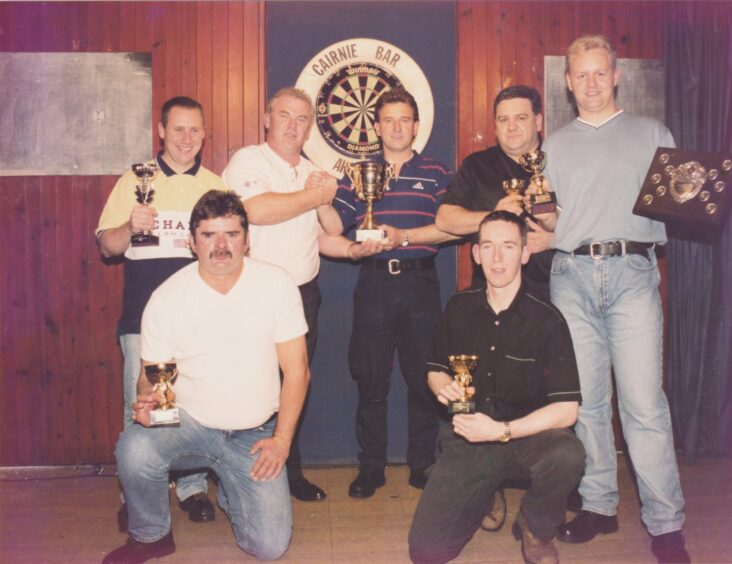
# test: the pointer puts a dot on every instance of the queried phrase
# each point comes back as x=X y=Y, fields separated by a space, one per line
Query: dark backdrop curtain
x=699 y=113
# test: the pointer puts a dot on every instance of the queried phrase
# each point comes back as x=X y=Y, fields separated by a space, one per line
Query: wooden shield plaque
x=688 y=186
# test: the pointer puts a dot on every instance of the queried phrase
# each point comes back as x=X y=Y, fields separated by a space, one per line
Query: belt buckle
x=394 y=267
x=623 y=250
x=598 y=255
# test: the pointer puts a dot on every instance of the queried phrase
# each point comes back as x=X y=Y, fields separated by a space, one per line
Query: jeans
x=391 y=312
x=260 y=512
x=613 y=310
x=310 y=294
x=185 y=485
x=461 y=484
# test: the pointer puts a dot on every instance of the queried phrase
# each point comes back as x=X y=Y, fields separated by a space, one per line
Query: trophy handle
x=348 y=171
x=389 y=173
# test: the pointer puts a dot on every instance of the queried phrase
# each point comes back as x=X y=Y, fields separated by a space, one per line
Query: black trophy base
x=456 y=407
x=145 y=240
x=543 y=203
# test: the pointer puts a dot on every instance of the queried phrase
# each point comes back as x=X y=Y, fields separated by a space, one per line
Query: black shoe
x=366 y=482
x=303 y=490
x=417 y=478
x=199 y=508
x=586 y=526
x=123 y=520
x=135 y=552
x=669 y=547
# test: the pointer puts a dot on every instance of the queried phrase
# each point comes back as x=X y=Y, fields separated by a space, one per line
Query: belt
x=613 y=249
x=397 y=266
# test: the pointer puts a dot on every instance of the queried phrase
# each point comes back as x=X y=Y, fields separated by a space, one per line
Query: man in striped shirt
x=397 y=299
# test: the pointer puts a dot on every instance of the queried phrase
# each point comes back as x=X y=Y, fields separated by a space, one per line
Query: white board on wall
x=74 y=113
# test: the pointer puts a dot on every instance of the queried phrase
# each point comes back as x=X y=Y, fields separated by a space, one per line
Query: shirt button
x=493 y=348
x=490 y=374
x=497 y=322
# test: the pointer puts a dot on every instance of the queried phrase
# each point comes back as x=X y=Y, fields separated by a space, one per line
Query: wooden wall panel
x=60 y=365
x=503 y=43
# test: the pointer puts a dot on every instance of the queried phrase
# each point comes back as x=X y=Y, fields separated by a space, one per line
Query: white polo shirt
x=224 y=345
x=292 y=244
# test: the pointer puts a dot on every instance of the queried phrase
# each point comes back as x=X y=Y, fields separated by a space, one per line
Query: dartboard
x=345 y=107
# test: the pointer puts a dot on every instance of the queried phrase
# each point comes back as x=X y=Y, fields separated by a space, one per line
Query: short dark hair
x=394 y=96
x=218 y=203
x=178 y=102
x=519 y=91
x=510 y=217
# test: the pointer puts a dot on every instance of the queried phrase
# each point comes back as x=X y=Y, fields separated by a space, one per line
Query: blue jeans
x=185 y=486
x=613 y=309
x=260 y=512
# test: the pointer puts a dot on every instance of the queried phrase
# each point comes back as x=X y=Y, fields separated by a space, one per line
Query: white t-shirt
x=292 y=244
x=224 y=345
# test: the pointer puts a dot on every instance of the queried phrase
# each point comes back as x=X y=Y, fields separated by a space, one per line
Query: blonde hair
x=587 y=42
x=292 y=92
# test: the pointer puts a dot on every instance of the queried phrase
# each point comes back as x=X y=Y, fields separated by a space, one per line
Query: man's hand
x=478 y=427
x=325 y=184
x=146 y=403
x=357 y=251
x=538 y=239
x=142 y=219
x=273 y=452
x=449 y=392
x=393 y=238
x=511 y=203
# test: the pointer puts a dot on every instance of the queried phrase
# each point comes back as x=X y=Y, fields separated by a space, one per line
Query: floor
x=60 y=516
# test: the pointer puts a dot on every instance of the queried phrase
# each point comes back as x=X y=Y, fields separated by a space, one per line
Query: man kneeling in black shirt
x=526 y=398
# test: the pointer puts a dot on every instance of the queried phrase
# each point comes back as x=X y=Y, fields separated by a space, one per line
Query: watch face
x=345 y=108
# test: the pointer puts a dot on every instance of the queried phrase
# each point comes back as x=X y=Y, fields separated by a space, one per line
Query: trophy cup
x=461 y=365
x=370 y=180
x=161 y=376
x=145 y=172
x=541 y=202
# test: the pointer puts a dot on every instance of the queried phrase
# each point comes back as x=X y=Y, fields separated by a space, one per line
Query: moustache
x=220 y=254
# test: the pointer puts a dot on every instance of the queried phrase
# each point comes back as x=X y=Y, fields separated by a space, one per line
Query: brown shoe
x=496 y=516
x=534 y=550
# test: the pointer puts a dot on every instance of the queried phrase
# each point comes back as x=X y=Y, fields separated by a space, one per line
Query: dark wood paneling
x=504 y=43
x=60 y=365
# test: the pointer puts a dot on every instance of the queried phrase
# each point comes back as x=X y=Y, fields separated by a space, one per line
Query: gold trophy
x=162 y=376
x=370 y=180
x=542 y=201
x=145 y=173
x=461 y=365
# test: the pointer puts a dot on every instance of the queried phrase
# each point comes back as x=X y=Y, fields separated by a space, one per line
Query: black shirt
x=526 y=358
x=478 y=185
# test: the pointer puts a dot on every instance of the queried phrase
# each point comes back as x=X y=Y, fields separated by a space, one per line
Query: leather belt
x=397 y=266
x=613 y=249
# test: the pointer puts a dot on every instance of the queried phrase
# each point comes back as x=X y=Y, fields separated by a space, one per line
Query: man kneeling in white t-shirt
x=230 y=323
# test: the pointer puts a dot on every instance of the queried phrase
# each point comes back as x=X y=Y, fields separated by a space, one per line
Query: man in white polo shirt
x=230 y=323
x=281 y=191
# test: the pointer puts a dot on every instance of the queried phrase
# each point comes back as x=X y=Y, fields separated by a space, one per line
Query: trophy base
x=456 y=407
x=370 y=235
x=145 y=241
x=543 y=203
x=164 y=417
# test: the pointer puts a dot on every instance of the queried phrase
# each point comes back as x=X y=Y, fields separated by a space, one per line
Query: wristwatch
x=405 y=238
x=506 y=436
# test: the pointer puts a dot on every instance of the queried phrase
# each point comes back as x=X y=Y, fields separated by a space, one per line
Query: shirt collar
x=599 y=125
x=170 y=172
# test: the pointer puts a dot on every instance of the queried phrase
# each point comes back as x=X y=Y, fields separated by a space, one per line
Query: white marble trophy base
x=164 y=417
x=370 y=235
